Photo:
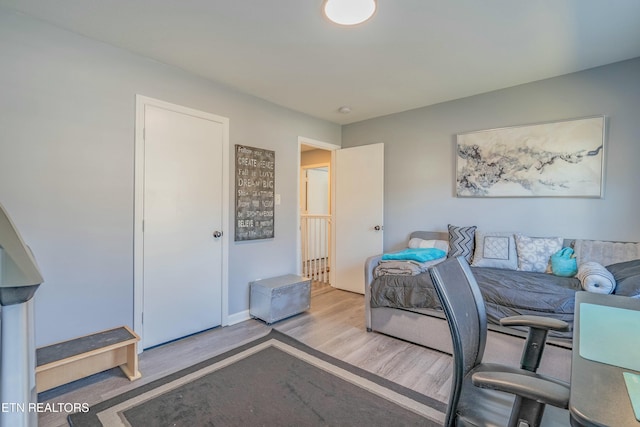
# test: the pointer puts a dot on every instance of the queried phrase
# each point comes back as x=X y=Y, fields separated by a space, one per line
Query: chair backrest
x=463 y=306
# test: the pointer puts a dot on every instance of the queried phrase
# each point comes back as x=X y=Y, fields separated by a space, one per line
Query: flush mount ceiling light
x=349 y=12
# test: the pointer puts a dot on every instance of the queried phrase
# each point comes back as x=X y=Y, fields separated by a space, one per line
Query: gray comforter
x=506 y=293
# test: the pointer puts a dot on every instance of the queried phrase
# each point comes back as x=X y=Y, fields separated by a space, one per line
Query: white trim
x=138 y=250
x=238 y=317
x=317 y=165
x=323 y=146
x=318 y=144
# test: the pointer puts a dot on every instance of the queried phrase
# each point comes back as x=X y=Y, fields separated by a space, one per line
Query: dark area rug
x=272 y=381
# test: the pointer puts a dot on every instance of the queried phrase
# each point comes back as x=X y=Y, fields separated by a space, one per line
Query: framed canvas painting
x=557 y=159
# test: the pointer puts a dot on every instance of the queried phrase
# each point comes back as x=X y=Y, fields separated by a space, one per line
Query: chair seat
x=490 y=408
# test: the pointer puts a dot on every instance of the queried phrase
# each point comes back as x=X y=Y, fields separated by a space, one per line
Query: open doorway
x=315 y=212
x=355 y=210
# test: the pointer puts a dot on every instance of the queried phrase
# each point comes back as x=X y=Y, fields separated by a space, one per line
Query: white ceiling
x=412 y=53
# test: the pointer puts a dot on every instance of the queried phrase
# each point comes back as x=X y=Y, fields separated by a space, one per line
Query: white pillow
x=422 y=243
x=534 y=253
x=495 y=249
x=596 y=278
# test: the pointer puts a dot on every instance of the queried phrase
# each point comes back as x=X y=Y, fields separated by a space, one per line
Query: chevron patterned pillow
x=461 y=241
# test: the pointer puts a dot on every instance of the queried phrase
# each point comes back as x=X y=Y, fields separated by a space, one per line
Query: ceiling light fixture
x=349 y=12
x=344 y=109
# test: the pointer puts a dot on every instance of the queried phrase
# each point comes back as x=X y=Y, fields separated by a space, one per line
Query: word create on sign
x=255 y=187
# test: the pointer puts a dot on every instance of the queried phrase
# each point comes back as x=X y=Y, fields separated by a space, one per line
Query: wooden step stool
x=71 y=360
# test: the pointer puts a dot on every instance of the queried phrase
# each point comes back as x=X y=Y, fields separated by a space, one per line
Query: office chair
x=487 y=394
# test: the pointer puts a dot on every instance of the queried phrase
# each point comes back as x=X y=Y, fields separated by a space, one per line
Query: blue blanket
x=415 y=254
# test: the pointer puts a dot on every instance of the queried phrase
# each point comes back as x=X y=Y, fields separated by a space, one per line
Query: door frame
x=138 y=239
x=323 y=146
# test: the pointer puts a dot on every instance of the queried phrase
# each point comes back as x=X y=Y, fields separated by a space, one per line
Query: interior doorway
x=355 y=219
x=315 y=212
x=181 y=199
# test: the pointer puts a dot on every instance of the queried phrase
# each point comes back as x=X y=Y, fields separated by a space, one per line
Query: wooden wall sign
x=255 y=188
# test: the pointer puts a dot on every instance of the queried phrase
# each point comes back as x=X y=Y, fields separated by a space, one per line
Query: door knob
x=377 y=228
x=217 y=234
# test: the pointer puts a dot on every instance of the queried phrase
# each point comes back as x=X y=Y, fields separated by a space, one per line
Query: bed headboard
x=430 y=235
x=600 y=251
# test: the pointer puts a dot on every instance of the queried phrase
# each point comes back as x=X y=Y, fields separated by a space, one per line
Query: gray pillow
x=627 y=275
x=495 y=249
x=461 y=241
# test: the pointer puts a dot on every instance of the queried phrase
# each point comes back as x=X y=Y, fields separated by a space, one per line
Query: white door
x=358 y=217
x=317 y=191
x=317 y=203
x=183 y=213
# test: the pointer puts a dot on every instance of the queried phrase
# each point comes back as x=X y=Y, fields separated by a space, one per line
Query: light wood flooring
x=333 y=325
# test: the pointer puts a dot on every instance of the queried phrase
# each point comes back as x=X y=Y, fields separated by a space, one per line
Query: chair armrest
x=529 y=387
x=538 y=322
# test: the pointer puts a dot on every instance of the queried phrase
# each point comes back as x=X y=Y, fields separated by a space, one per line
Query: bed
x=406 y=307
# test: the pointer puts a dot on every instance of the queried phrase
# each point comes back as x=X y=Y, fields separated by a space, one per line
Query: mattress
x=505 y=292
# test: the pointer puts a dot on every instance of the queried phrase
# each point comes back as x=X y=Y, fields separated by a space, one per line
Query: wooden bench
x=67 y=361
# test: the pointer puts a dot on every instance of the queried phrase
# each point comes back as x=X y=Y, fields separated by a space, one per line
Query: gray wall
x=420 y=161
x=66 y=168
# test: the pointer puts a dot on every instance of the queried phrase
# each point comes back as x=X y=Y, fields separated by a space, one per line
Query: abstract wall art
x=557 y=159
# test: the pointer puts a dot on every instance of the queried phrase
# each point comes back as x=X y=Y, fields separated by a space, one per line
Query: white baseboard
x=232 y=319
